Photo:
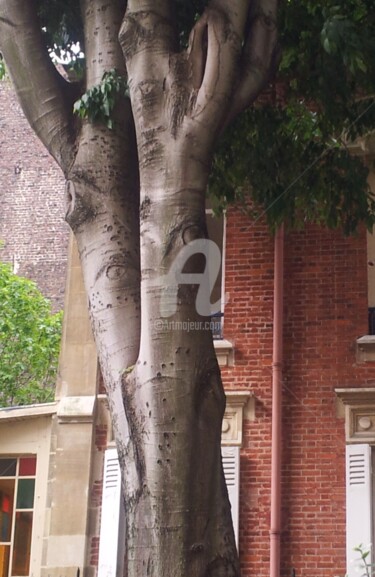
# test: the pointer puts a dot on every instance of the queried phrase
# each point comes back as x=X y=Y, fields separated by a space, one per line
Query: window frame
x=18 y=509
x=209 y=212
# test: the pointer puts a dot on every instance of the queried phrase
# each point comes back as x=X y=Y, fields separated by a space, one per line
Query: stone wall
x=32 y=225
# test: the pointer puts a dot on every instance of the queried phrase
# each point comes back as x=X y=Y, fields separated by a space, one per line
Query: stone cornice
x=231 y=431
x=76 y=409
x=27 y=412
x=359 y=414
x=351 y=396
x=224 y=352
x=366 y=348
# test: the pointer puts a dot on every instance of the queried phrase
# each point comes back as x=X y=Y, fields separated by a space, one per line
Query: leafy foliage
x=327 y=58
x=98 y=102
x=364 y=562
x=288 y=156
x=297 y=175
x=29 y=342
x=61 y=23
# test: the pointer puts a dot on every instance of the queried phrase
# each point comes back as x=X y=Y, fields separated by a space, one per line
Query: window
x=371 y=282
x=231 y=465
x=359 y=504
x=366 y=343
x=111 y=553
x=17 y=486
x=216 y=233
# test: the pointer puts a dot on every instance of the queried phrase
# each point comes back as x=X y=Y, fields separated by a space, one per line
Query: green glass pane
x=4 y=560
x=25 y=494
x=22 y=544
x=8 y=467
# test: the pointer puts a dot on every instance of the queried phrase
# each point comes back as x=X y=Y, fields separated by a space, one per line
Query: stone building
x=33 y=232
x=60 y=505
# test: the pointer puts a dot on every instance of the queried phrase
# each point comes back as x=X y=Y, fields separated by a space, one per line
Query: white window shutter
x=358 y=504
x=112 y=519
x=113 y=515
x=231 y=466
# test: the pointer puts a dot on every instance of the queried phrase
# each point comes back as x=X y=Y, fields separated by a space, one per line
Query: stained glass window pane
x=25 y=494
x=6 y=508
x=16 y=494
x=4 y=560
x=8 y=467
x=22 y=544
x=27 y=467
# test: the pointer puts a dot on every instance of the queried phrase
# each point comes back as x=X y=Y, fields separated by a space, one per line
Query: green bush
x=29 y=342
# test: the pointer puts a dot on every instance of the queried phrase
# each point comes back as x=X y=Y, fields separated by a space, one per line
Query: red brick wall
x=32 y=224
x=325 y=311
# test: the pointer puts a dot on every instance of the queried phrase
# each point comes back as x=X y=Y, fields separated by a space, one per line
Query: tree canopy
x=29 y=342
x=291 y=151
x=288 y=155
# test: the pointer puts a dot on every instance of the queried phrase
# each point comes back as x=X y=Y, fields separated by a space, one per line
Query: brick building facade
x=325 y=311
x=325 y=320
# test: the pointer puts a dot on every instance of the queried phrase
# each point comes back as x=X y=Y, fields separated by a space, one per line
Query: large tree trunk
x=135 y=200
x=179 y=517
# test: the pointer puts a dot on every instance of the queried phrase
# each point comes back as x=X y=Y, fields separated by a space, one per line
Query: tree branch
x=214 y=53
x=102 y=21
x=148 y=32
x=236 y=13
x=259 y=57
x=44 y=95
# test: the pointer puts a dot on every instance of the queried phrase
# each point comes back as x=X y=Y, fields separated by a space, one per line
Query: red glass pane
x=4 y=560
x=5 y=505
x=27 y=467
x=22 y=544
x=6 y=509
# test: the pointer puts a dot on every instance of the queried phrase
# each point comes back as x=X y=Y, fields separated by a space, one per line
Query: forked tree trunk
x=135 y=200
x=178 y=514
x=179 y=518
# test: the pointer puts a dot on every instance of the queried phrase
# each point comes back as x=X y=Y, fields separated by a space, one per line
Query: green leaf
x=98 y=103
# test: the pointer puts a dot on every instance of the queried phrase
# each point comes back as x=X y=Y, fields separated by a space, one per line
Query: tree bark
x=103 y=211
x=174 y=396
